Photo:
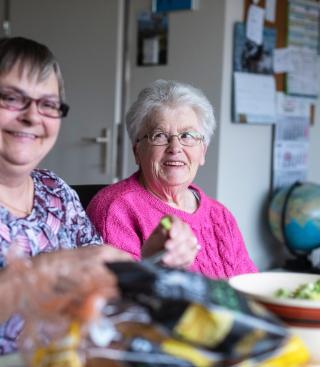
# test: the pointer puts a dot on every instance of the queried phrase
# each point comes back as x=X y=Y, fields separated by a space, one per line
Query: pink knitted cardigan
x=125 y=214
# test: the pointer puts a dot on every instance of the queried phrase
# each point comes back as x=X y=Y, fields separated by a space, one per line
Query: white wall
x=314 y=158
x=238 y=166
x=245 y=162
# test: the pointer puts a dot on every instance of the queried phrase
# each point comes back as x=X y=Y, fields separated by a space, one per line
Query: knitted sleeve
x=117 y=223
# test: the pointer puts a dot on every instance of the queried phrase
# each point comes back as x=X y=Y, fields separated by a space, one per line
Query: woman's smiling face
x=27 y=136
x=171 y=166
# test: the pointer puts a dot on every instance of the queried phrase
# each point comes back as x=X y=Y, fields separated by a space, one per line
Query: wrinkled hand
x=69 y=282
x=179 y=242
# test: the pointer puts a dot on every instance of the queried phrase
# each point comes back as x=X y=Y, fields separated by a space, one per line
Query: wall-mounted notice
x=303 y=24
x=254 y=98
x=255 y=20
x=152 y=39
x=174 y=5
x=270 y=10
x=303 y=79
x=250 y=57
x=282 y=61
x=291 y=142
x=303 y=40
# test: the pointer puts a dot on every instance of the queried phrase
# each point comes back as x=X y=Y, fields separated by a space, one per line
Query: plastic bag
x=194 y=321
x=58 y=301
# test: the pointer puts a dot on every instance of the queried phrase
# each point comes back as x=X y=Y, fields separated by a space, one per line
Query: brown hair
x=31 y=54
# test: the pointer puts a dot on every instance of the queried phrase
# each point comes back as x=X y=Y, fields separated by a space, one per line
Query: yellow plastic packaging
x=293 y=354
x=60 y=353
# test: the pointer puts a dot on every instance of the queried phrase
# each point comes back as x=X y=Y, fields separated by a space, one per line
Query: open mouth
x=174 y=164
x=21 y=134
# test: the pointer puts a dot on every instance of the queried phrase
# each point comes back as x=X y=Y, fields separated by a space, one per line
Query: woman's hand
x=67 y=282
x=180 y=244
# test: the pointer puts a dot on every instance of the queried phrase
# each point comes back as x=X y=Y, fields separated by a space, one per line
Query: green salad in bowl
x=310 y=291
x=293 y=297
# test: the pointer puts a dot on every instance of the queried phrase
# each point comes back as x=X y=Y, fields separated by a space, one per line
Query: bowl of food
x=293 y=297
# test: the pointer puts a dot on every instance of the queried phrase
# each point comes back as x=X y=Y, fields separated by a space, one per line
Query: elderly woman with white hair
x=170 y=126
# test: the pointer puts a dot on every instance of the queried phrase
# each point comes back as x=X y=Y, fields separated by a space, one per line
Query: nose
x=174 y=144
x=31 y=114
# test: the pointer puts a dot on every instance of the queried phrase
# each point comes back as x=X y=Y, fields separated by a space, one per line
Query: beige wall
x=245 y=163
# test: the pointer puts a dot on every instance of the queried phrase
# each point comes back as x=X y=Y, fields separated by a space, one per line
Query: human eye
x=186 y=135
x=48 y=104
x=159 y=137
x=190 y=137
x=12 y=99
x=49 y=107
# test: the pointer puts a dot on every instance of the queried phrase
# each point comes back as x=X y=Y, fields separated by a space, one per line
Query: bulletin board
x=280 y=25
x=294 y=104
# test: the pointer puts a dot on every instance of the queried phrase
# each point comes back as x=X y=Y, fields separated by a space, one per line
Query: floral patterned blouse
x=57 y=221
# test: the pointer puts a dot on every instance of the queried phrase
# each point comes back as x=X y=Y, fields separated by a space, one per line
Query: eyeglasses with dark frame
x=17 y=101
x=186 y=138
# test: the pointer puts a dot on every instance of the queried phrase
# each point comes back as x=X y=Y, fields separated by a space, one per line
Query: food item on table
x=294 y=354
x=166 y=223
x=202 y=322
x=309 y=291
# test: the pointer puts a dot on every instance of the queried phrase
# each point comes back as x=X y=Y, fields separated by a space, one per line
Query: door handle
x=104 y=140
x=97 y=139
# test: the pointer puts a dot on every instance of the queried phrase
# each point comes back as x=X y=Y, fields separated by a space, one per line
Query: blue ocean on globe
x=302 y=217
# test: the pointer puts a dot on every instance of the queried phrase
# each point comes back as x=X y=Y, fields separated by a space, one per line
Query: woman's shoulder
x=46 y=177
x=124 y=191
x=50 y=183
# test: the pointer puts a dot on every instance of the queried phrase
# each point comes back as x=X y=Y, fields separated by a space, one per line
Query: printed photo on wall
x=250 y=57
x=152 y=39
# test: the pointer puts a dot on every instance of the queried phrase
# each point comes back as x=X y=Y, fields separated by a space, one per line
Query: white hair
x=169 y=93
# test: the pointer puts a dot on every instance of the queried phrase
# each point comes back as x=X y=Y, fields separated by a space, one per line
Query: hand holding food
x=176 y=239
x=60 y=294
x=66 y=283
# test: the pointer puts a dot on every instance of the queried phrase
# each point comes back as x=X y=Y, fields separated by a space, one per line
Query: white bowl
x=302 y=316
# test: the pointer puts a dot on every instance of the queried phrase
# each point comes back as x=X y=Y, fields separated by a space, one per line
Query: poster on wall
x=303 y=79
x=250 y=57
x=254 y=98
x=303 y=42
x=174 y=5
x=291 y=141
x=152 y=39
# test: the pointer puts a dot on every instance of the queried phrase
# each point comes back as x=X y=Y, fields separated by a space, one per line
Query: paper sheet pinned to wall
x=304 y=78
x=270 y=12
x=254 y=98
x=303 y=40
x=291 y=140
x=255 y=20
x=282 y=60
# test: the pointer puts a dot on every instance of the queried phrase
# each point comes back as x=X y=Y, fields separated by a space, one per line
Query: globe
x=294 y=217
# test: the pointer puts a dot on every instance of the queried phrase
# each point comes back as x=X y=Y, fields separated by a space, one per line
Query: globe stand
x=301 y=264
x=300 y=261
